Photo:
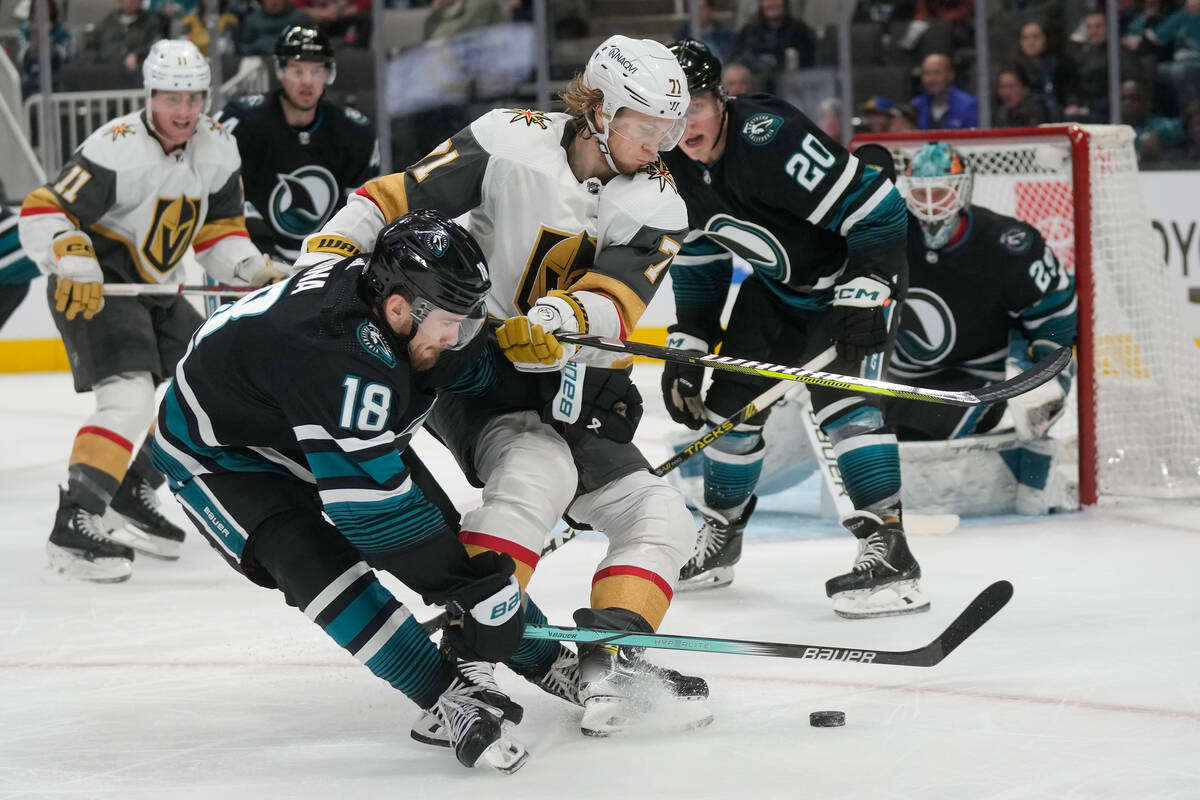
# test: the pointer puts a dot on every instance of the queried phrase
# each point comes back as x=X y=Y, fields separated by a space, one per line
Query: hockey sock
x=731 y=469
x=868 y=458
x=533 y=655
x=99 y=459
x=142 y=465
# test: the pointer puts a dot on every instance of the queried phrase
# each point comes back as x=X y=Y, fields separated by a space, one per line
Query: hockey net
x=1138 y=409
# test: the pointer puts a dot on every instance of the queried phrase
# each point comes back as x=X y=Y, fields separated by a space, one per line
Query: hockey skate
x=134 y=519
x=718 y=548
x=885 y=578
x=430 y=727
x=560 y=678
x=622 y=691
x=80 y=548
x=475 y=727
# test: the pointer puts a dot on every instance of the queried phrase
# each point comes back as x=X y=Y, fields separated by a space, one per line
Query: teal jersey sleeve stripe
x=886 y=225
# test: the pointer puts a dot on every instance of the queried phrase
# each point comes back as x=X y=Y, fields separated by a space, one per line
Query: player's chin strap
x=602 y=141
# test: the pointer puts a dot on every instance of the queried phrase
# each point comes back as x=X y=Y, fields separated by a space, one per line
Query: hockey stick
x=1031 y=378
x=135 y=289
x=977 y=612
x=764 y=400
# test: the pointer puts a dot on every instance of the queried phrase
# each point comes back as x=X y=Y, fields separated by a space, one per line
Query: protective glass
x=452 y=330
x=937 y=198
x=642 y=130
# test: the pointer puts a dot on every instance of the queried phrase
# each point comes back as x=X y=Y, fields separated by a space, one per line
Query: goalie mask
x=436 y=265
x=642 y=75
x=175 y=66
x=937 y=186
x=299 y=43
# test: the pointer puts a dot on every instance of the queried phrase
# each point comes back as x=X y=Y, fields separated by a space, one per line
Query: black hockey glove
x=595 y=401
x=681 y=383
x=485 y=616
x=858 y=322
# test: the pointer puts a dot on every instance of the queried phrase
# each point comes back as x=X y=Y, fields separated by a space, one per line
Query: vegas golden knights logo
x=172 y=227
x=558 y=260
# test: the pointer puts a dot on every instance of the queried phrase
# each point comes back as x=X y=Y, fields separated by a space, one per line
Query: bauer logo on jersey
x=761 y=129
x=173 y=223
x=928 y=331
x=302 y=200
x=371 y=339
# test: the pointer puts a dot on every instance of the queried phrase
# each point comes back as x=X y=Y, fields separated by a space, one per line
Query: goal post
x=1138 y=381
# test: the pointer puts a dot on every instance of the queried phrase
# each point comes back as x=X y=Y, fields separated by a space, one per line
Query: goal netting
x=1138 y=408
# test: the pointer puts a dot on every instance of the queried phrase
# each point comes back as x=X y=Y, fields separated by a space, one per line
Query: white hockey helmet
x=176 y=65
x=639 y=74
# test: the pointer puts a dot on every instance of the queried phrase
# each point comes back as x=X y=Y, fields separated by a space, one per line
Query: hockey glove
x=485 y=614
x=1035 y=411
x=529 y=341
x=681 y=383
x=598 y=401
x=259 y=270
x=858 y=319
x=80 y=282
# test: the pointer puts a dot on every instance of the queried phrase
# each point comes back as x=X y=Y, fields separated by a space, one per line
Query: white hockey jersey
x=539 y=226
x=140 y=208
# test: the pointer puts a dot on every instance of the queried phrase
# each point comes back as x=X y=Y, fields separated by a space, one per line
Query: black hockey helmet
x=436 y=265
x=700 y=65
x=301 y=43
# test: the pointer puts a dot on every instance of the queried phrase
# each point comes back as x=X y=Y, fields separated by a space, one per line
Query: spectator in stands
x=1087 y=89
x=348 y=20
x=173 y=11
x=261 y=26
x=1157 y=138
x=1019 y=107
x=451 y=17
x=737 y=79
x=125 y=36
x=942 y=104
x=1048 y=74
x=192 y=28
x=775 y=40
x=875 y=115
x=1151 y=14
x=1179 y=38
x=718 y=37
x=940 y=26
x=904 y=118
x=27 y=52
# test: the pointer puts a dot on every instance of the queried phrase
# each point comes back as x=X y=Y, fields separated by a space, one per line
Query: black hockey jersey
x=296 y=179
x=999 y=282
x=789 y=200
x=297 y=379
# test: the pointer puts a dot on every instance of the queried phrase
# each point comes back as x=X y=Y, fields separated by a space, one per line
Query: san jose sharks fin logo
x=372 y=340
x=302 y=200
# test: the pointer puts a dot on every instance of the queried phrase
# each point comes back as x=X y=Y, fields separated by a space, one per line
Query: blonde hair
x=580 y=99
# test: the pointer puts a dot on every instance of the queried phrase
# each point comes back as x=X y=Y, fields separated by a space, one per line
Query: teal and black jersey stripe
x=15 y=266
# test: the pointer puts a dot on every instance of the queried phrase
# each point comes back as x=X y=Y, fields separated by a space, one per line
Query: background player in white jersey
x=125 y=208
x=580 y=220
x=824 y=234
x=261 y=450
x=301 y=155
x=987 y=297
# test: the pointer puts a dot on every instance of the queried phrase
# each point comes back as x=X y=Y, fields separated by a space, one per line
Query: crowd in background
x=914 y=61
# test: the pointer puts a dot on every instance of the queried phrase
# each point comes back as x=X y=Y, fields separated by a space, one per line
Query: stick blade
x=1031 y=378
x=973 y=617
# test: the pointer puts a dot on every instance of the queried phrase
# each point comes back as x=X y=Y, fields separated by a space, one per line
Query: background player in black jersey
x=824 y=234
x=260 y=449
x=987 y=297
x=301 y=155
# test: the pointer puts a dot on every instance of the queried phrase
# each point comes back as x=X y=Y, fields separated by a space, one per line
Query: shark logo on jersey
x=302 y=200
x=437 y=242
x=761 y=129
x=173 y=223
x=754 y=243
x=1016 y=240
x=927 y=332
x=371 y=339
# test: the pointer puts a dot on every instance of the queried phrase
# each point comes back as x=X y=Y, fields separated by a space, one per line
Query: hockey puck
x=827 y=719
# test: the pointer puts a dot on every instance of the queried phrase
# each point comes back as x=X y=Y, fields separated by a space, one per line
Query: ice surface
x=190 y=682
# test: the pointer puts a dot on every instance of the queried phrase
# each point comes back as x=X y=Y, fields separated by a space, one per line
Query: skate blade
x=152 y=546
x=715 y=578
x=503 y=755
x=893 y=600
x=428 y=729
x=617 y=716
x=98 y=570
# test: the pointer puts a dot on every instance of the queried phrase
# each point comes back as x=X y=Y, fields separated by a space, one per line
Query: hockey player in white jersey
x=139 y=192
x=579 y=220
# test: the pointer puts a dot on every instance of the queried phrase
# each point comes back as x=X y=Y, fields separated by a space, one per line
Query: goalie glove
x=79 y=283
x=681 y=383
x=858 y=323
x=597 y=401
x=485 y=616
x=1035 y=411
x=259 y=270
x=529 y=341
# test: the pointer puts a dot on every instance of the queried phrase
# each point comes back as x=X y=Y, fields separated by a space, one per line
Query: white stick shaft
x=135 y=289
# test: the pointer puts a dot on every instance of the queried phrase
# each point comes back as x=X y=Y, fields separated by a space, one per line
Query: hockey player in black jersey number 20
x=824 y=234
x=260 y=448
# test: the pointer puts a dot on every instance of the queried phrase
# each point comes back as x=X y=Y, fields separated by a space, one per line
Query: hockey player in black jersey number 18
x=260 y=448
x=125 y=208
x=301 y=155
x=824 y=234
x=579 y=220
